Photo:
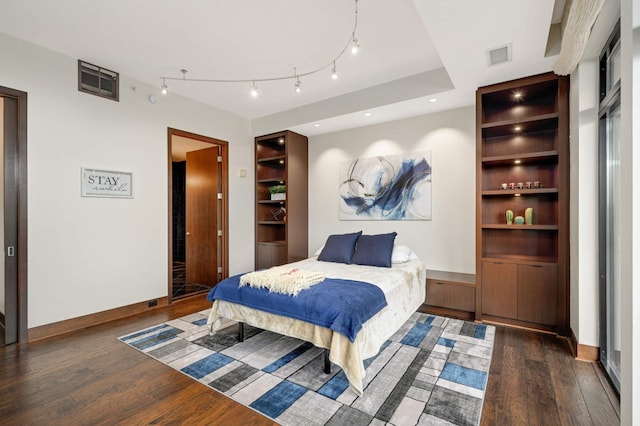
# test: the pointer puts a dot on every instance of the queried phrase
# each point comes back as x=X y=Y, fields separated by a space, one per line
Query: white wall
x=92 y=254
x=447 y=242
x=583 y=208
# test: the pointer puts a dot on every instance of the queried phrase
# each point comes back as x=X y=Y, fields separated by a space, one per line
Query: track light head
x=297 y=86
x=355 y=46
x=334 y=73
x=254 y=90
x=163 y=88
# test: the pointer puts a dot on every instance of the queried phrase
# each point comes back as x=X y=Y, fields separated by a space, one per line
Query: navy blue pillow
x=339 y=248
x=374 y=250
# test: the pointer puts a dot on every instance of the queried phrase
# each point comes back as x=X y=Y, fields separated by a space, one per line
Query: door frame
x=21 y=216
x=224 y=184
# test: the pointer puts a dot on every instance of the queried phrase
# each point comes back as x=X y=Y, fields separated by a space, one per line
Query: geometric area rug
x=432 y=371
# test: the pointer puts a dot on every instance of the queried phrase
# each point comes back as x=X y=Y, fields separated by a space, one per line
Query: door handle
x=10 y=251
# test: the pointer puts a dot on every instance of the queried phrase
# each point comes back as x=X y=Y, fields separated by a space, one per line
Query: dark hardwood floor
x=534 y=380
x=89 y=378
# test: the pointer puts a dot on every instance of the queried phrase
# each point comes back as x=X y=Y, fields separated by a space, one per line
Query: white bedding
x=404 y=288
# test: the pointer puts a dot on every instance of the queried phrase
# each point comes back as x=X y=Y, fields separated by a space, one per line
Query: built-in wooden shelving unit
x=281 y=225
x=523 y=136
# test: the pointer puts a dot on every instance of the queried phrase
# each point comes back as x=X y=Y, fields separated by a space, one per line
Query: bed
x=403 y=286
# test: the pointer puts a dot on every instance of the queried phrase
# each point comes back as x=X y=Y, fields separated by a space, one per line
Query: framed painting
x=106 y=183
x=394 y=187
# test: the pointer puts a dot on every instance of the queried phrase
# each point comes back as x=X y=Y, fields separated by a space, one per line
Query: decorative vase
x=509 y=216
x=518 y=220
x=528 y=215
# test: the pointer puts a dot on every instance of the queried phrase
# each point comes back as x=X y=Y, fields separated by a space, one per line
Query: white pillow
x=402 y=253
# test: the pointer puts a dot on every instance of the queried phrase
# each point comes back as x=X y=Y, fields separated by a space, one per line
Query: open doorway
x=198 y=240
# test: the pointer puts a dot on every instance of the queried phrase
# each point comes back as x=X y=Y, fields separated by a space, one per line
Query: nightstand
x=450 y=294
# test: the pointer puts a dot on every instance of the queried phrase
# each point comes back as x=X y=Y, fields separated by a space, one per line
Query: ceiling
x=412 y=51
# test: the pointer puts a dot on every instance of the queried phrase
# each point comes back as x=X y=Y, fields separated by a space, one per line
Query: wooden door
x=499 y=289
x=9 y=228
x=538 y=294
x=201 y=216
x=270 y=254
x=13 y=193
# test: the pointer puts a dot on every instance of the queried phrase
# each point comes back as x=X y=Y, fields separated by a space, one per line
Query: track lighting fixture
x=351 y=43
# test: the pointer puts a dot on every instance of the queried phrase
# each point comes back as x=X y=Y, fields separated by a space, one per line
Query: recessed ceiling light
x=432 y=100
x=517 y=161
x=368 y=114
x=316 y=125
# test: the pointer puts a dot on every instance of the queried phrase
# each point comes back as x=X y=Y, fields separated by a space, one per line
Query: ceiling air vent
x=98 y=81
x=499 y=55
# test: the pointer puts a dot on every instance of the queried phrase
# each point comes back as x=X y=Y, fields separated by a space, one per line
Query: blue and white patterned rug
x=434 y=370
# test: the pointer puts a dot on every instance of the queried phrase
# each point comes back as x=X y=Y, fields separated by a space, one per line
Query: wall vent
x=499 y=55
x=98 y=81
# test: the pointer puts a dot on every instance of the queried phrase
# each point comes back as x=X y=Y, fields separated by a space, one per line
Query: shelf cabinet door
x=499 y=289
x=268 y=255
x=538 y=294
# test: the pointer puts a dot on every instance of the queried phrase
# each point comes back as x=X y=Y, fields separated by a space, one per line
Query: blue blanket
x=341 y=305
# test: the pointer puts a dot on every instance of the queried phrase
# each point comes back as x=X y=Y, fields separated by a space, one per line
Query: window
x=609 y=208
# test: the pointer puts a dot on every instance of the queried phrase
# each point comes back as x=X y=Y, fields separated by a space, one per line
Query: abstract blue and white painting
x=395 y=187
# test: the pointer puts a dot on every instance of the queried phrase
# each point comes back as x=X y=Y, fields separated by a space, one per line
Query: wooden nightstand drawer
x=450 y=296
x=451 y=290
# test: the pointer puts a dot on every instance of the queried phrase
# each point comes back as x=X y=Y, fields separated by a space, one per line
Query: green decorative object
x=278 y=189
x=528 y=215
x=509 y=216
x=278 y=192
x=518 y=220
